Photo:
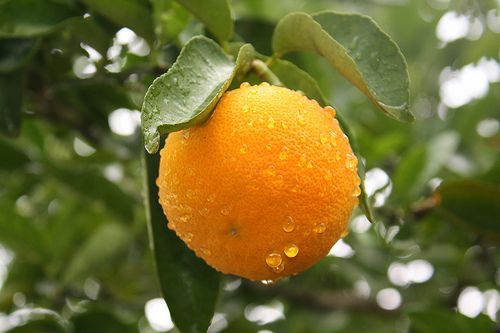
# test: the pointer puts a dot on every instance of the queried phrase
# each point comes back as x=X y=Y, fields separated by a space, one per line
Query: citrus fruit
x=262 y=189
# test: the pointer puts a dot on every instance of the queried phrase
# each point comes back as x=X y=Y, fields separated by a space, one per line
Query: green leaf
x=443 y=321
x=472 y=203
x=295 y=78
x=11 y=100
x=106 y=245
x=188 y=92
x=169 y=19
x=355 y=46
x=17 y=158
x=422 y=163
x=214 y=14
x=133 y=14
x=26 y=18
x=94 y=187
x=15 y=52
x=190 y=287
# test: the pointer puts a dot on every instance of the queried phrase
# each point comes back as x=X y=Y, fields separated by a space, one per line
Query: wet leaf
x=355 y=46
x=188 y=92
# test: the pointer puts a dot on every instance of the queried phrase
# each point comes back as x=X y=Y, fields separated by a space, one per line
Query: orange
x=265 y=187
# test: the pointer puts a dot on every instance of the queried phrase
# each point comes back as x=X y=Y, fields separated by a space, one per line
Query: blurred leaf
x=36 y=320
x=442 y=321
x=188 y=92
x=105 y=246
x=15 y=52
x=93 y=186
x=190 y=287
x=422 y=163
x=26 y=18
x=169 y=19
x=472 y=203
x=133 y=14
x=99 y=321
x=214 y=14
x=17 y=158
x=358 y=49
x=89 y=31
x=11 y=100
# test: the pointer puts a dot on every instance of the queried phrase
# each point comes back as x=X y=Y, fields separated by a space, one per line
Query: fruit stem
x=264 y=73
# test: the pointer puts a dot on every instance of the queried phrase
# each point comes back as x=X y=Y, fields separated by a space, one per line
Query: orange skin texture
x=268 y=159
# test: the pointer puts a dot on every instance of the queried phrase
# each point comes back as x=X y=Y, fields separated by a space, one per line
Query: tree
x=74 y=248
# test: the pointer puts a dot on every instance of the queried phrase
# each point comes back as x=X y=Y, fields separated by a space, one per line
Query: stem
x=264 y=73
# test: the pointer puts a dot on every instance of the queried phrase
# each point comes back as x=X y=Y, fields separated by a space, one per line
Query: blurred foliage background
x=74 y=252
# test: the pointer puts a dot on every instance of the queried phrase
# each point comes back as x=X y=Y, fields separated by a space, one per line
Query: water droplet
x=284 y=125
x=185 y=218
x=357 y=191
x=205 y=251
x=185 y=135
x=337 y=156
x=244 y=108
x=330 y=110
x=273 y=259
x=211 y=198
x=289 y=224
x=190 y=194
x=351 y=161
x=344 y=234
x=264 y=84
x=284 y=154
x=300 y=118
x=244 y=85
x=270 y=171
x=333 y=138
x=357 y=180
x=250 y=123
x=225 y=211
x=233 y=232
x=269 y=147
x=323 y=138
x=309 y=164
x=243 y=149
x=188 y=237
x=267 y=282
x=279 y=268
x=374 y=61
x=204 y=211
x=270 y=122
x=302 y=160
x=291 y=250
x=354 y=42
x=319 y=228
x=328 y=175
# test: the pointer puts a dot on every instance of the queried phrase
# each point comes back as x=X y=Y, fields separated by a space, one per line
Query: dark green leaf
x=100 y=321
x=355 y=46
x=188 y=92
x=11 y=100
x=442 y=321
x=15 y=52
x=472 y=203
x=189 y=286
x=17 y=158
x=133 y=14
x=215 y=14
x=106 y=245
x=26 y=18
x=90 y=31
